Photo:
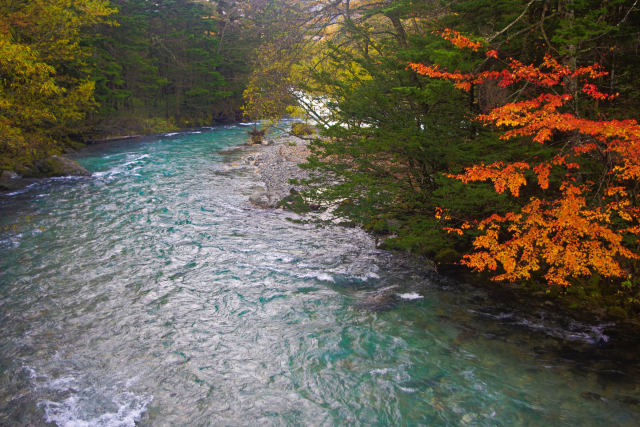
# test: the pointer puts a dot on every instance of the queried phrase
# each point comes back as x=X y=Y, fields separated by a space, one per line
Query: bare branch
x=635 y=3
x=490 y=39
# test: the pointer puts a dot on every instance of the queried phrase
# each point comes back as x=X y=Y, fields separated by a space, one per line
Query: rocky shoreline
x=276 y=164
x=52 y=166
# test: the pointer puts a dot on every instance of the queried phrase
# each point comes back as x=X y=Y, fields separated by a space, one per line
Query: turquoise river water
x=153 y=293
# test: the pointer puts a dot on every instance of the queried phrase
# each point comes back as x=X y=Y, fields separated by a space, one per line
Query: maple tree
x=575 y=226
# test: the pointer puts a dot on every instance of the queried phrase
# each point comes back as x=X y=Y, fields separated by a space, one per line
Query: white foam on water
x=51 y=179
x=61 y=384
x=124 y=168
x=69 y=402
x=31 y=371
x=101 y=174
x=65 y=178
x=13 y=241
x=21 y=191
x=131 y=381
x=69 y=413
x=368 y=275
x=499 y=316
x=136 y=160
x=249 y=124
x=410 y=296
x=380 y=371
x=172 y=134
x=109 y=173
x=324 y=277
x=576 y=331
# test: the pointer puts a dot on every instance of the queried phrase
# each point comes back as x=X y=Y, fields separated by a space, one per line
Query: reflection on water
x=153 y=292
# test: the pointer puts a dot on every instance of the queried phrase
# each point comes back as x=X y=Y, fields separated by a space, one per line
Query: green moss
x=447 y=256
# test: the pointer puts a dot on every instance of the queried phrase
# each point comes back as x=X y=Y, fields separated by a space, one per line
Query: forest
x=498 y=136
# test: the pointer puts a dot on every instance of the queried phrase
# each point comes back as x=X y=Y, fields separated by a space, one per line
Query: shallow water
x=153 y=293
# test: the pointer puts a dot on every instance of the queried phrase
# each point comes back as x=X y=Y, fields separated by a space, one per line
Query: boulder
x=262 y=200
x=8 y=175
x=9 y=180
x=378 y=302
x=58 y=166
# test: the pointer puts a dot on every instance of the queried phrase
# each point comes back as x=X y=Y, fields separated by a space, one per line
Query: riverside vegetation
x=495 y=135
x=498 y=136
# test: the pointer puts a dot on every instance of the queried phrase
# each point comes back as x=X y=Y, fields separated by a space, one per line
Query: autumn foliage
x=574 y=225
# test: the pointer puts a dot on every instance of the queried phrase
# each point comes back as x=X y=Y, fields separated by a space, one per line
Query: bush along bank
x=294 y=181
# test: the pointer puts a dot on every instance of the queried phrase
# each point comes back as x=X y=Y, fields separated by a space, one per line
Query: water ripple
x=154 y=293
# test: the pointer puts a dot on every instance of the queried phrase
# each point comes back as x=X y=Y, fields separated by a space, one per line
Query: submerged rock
x=379 y=300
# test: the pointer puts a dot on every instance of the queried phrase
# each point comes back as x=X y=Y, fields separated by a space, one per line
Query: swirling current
x=153 y=293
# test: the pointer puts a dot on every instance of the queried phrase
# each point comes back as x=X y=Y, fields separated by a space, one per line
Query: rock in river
x=262 y=199
x=57 y=166
x=9 y=180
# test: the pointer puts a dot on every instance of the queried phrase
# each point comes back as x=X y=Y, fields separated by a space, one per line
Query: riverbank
x=27 y=172
x=277 y=165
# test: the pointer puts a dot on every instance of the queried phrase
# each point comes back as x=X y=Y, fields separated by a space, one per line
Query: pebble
x=278 y=164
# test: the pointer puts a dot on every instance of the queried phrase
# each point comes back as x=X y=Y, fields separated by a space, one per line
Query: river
x=153 y=293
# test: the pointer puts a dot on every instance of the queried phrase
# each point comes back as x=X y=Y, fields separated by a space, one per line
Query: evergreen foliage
x=162 y=60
